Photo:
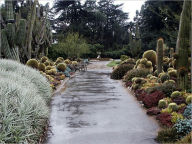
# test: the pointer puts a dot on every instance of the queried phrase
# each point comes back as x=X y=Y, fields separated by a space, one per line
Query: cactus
x=159 y=55
x=151 y=56
x=9 y=10
x=183 y=45
x=189 y=99
x=171 y=52
x=162 y=104
x=175 y=94
x=44 y=59
x=41 y=67
x=173 y=106
x=61 y=67
x=32 y=63
x=164 y=77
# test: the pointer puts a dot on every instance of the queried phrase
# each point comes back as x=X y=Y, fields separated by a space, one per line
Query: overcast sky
x=129 y=6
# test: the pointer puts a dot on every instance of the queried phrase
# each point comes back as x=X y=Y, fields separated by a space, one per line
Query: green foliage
x=173 y=106
x=175 y=94
x=135 y=73
x=151 y=56
x=124 y=57
x=162 y=104
x=160 y=43
x=33 y=63
x=121 y=70
x=167 y=135
x=113 y=63
x=61 y=67
x=175 y=117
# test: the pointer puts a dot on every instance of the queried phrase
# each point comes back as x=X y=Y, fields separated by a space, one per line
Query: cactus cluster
x=150 y=55
x=144 y=64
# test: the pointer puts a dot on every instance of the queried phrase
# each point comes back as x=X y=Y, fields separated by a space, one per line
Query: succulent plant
x=172 y=73
x=32 y=63
x=44 y=59
x=160 y=44
x=188 y=112
x=189 y=99
x=175 y=94
x=173 y=106
x=164 y=77
x=61 y=67
x=74 y=63
x=162 y=103
x=175 y=117
x=41 y=67
x=151 y=56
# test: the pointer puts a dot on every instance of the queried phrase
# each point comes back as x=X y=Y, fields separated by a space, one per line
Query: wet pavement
x=95 y=109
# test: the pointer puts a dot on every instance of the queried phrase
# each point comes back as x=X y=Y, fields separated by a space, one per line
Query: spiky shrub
x=164 y=77
x=183 y=44
x=23 y=111
x=61 y=67
x=167 y=135
x=32 y=75
x=121 y=70
x=159 y=55
x=189 y=99
x=124 y=57
x=135 y=73
x=175 y=94
x=41 y=67
x=162 y=103
x=44 y=59
x=151 y=56
x=183 y=127
x=32 y=63
x=173 y=106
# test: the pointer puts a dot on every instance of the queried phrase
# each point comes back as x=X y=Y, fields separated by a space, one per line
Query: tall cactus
x=183 y=45
x=171 y=52
x=9 y=11
x=160 y=44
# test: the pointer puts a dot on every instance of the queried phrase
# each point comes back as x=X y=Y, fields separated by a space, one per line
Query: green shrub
x=151 y=56
x=32 y=63
x=173 y=106
x=41 y=67
x=121 y=70
x=162 y=104
x=61 y=67
x=136 y=73
x=175 y=94
x=164 y=77
x=189 y=99
x=167 y=135
x=124 y=57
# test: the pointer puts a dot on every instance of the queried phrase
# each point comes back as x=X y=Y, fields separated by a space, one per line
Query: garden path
x=95 y=109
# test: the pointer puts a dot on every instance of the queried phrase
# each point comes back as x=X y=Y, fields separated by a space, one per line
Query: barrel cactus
x=175 y=94
x=173 y=106
x=61 y=67
x=44 y=59
x=189 y=99
x=164 y=77
x=41 y=67
x=151 y=56
x=32 y=63
x=162 y=104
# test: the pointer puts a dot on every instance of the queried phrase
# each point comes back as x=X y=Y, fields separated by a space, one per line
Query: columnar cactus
x=9 y=10
x=183 y=45
x=171 y=52
x=160 y=43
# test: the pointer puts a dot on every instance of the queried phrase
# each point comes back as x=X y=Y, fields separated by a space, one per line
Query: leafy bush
x=121 y=70
x=123 y=57
x=23 y=111
x=165 y=119
x=32 y=75
x=167 y=135
x=183 y=127
x=188 y=112
x=136 y=73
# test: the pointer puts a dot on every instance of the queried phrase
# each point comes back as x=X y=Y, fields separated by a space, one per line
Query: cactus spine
x=160 y=44
x=183 y=45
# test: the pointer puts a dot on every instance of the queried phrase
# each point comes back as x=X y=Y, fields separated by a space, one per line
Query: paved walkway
x=97 y=110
